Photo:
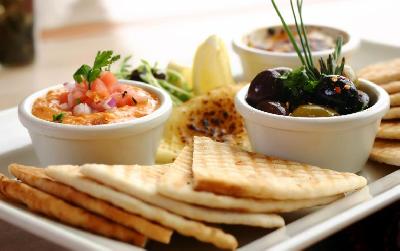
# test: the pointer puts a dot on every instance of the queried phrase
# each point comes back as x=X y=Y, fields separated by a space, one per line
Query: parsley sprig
x=102 y=62
x=58 y=117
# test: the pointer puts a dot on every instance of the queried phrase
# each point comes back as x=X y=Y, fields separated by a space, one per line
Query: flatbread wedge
x=386 y=151
x=37 y=178
x=224 y=169
x=70 y=175
x=212 y=114
x=177 y=182
x=389 y=130
x=141 y=182
x=392 y=87
x=383 y=72
x=394 y=99
x=393 y=113
x=53 y=207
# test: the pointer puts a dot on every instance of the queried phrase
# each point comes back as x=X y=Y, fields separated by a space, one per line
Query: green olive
x=313 y=111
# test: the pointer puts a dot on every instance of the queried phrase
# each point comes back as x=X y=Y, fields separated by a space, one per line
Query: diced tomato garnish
x=100 y=88
x=108 y=79
x=63 y=97
x=83 y=86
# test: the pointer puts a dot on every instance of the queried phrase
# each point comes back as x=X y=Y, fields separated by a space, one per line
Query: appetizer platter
x=174 y=158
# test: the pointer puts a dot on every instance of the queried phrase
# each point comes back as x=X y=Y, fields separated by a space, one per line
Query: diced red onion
x=64 y=106
x=109 y=103
x=82 y=109
x=69 y=86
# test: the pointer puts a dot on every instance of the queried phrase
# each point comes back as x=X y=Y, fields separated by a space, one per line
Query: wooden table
x=61 y=50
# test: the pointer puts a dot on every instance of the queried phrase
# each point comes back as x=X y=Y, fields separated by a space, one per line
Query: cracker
x=393 y=113
x=37 y=178
x=386 y=151
x=395 y=99
x=141 y=182
x=389 y=130
x=224 y=169
x=70 y=175
x=53 y=207
x=392 y=87
x=212 y=114
x=176 y=183
x=382 y=73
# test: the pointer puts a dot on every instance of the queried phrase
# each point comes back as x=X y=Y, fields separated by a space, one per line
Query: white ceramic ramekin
x=255 y=60
x=131 y=142
x=341 y=143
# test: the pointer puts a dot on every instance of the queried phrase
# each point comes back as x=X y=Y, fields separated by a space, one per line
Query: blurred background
x=68 y=33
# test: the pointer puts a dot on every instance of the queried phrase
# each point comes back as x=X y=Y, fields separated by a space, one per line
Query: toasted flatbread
x=212 y=115
x=53 y=207
x=70 y=175
x=382 y=73
x=225 y=169
x=392 y=87
x=141 y=182
x=177 y=181
x=389 y=130
x=37 y=178
x=386 y=151
x=394 y=99
x=393 y=113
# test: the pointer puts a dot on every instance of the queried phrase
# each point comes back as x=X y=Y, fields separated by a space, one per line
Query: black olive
x=158 y=74
x=266 y=85
x=339 y=93
x=364 y=99
x=272 y=107
x=135 y=75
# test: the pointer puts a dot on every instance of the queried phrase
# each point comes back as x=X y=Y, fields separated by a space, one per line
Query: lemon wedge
x=211 y=66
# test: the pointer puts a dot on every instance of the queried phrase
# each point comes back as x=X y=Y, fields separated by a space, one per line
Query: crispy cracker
x=386 y=151
x=37 y=178
x=389 y=130
x=70 y=175
x=225 y=169
x=176 y=183
x=393 y=113
x=141 y=182
x=53 y=207
x=392 y=87
x=383 y=72
x=212 y=114
x=394 y=99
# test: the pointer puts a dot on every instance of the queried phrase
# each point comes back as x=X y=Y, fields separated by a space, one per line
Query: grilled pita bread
x=53 y=207
x=382 y=73
x=37 y=178
x=177 y=181
x=225 y=169
x=386 y=151
x=70 y=175
x=212 y=115
x=389 y=130
x=394 y=99
x=393 y=113
x=141 y=182
x=392 y=87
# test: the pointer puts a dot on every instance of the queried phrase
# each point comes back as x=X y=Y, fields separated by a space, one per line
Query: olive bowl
x=341 y=143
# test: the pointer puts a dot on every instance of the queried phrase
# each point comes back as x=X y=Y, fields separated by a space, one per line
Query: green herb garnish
x=58 y=117
x=307 y=78
x=123 y=71
x=102 y=62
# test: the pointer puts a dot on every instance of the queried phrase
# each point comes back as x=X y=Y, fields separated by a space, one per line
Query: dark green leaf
x=58 y=117
x=81 y=73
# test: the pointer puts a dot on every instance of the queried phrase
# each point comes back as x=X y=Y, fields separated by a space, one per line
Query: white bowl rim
x=380 y=107
x=25 y=111
x=352 y=43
